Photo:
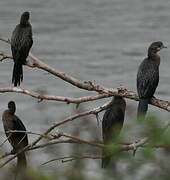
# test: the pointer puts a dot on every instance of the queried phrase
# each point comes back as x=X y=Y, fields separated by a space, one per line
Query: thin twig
x=81 y=140
x=5 y=140
x=30 y=132
x=81 y=157
x=5 y=155
x=71 y=158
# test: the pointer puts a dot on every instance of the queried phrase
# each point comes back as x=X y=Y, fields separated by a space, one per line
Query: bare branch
x=4 y=56
x=81 y=140
x=90 y=86
x=102 y=91
x=29 y=132
x=42 y=146
x=51 y=97
x=81 y=157
x=5 y=40
x=122 y=146
x=94 y=111
x=71 y=158
x=5 y=140
x=5 y=155
x=71 y=118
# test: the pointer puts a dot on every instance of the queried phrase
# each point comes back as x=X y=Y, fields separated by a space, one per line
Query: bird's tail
x=142 y=108
x=17 y=75
x=106 y=159
x=21 y=161
x=21 y=166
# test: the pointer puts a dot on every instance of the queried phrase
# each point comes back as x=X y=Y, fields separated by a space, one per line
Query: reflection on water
x=102 y=40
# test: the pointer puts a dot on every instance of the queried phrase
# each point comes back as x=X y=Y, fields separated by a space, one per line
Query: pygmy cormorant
x=18 y=140
x=21 y=42
x=148 y=77
x=111 y=125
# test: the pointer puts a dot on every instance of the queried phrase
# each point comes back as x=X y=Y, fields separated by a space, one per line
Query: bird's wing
x=21 y=42
x=147 y=81
x=18 y=125
x=112 y=123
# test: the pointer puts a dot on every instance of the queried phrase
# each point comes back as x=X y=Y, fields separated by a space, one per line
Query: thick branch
x=90 y=86
x=127 y=94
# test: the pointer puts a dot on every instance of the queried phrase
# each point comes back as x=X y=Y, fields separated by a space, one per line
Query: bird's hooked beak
x=162 y=47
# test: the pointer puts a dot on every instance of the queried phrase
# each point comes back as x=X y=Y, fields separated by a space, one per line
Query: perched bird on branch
x=18 y=140
x=21 y=42
x=111 y=125
x=148 y=77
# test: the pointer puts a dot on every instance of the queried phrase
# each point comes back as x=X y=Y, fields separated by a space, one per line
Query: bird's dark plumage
x=18 y=140
x=21 y=42
x=112 y=124
x=148 y=77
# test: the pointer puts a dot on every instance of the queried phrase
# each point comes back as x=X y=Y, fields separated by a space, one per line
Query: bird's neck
x=24 y=22
x=11 y=112
x=152 y=53
x=154 y=57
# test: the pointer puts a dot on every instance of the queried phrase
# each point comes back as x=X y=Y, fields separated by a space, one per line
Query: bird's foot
x=121 y=88
x=153 y=97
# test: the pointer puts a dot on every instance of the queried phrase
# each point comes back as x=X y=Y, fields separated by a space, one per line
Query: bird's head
x=155 y=47
x=12 y=107
x=25 y=18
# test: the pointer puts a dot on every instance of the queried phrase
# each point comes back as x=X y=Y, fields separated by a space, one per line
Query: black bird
x=18 y=140
x=148 y=77
x=112 y=124
x=21 y=42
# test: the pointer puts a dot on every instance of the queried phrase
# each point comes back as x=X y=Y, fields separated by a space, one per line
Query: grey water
x=101 y=40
